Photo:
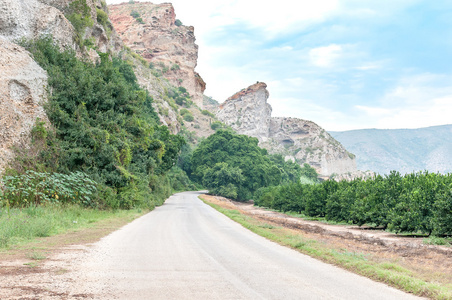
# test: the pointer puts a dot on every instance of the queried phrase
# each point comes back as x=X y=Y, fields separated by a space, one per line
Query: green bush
x=178 y=22
x=188 y=117
x=34 y=188
x=102 y=17
x=216 y=125
x=135 y=14
x=79 y=14
x=207 y=113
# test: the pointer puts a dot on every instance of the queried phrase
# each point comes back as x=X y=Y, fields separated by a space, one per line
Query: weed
x=36 y=255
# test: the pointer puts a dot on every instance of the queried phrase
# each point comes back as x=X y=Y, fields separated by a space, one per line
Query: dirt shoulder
x=430 y=262
x=42 y=269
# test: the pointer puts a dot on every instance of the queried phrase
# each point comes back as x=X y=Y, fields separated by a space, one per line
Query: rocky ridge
x=248 y=112
x=151 y=30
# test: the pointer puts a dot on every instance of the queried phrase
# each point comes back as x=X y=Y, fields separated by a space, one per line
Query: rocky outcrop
x=151 y=31
x=22 y=82
x=303 y=141
x=23 y=91
x=253 y=120
x=32 y=18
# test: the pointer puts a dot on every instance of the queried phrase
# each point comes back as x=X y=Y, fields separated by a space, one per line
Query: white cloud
x=325 y=56
x=417 y=101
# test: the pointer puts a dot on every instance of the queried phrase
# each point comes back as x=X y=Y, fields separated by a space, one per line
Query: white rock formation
x=23 y=91
x=303 y=141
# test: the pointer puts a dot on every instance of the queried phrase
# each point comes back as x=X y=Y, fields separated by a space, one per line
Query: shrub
x=178 y=22
x=207 y=113
x=102 y=17
x=135 y=14
x=216 y=125
x=39 y=188
x=188 y=117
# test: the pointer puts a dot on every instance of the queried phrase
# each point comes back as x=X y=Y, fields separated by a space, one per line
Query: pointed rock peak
x=251 y=89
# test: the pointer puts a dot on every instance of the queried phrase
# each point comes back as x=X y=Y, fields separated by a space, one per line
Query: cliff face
x=22 y=81
x=151 y=31
x=23 y=89
x=248 y=113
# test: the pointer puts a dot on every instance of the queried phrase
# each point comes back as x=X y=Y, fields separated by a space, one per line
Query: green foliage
x=79 y=14
x=223 y=180
x=39 y=131
x=175 y=67
x=23 y=224
x=178 y=22
x=415 y=203
x=309 y=172
x=105 y=125
x=184 y=111
x=135 y=14
x=216 y=125
x=33 y=188
x=102 y=17
x=140 y=20
x=180 y=96
x=188 y=117
x=207 y=113
x=180 y=180
x=290 y=171
x=225 y=153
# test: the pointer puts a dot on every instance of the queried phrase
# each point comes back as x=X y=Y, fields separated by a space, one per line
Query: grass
x=36 y=255
x=22 y=225
x=364 y=264
x=434 y=240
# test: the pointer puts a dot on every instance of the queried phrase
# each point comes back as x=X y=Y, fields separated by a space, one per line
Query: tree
x=238 y=151
x=223 y=180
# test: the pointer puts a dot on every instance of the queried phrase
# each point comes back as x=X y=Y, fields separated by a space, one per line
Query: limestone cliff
x=248 y=113
x=151 y=30
x=23 y=89
x=22 y=81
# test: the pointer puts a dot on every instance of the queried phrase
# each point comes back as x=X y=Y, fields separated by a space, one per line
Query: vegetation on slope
x=103 y=125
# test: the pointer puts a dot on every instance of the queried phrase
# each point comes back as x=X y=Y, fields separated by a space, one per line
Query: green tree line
x=234 y=166
x=417 y=203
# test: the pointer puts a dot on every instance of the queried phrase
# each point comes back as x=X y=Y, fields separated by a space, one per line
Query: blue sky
x=344 y=64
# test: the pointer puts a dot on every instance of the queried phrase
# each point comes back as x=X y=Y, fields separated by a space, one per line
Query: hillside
x=298 y=140
x=404 y=150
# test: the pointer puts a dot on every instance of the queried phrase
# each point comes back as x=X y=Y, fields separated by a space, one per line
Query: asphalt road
x=187 y=250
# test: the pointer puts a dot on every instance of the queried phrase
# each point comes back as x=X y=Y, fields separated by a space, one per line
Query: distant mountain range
x=404 y=150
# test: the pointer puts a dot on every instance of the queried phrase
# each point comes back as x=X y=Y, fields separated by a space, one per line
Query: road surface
x=187 y=250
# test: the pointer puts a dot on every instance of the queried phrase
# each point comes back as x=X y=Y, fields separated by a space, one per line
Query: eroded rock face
x=156 y=37
x=30 y=19
x=248 y=113
x=23 y=91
